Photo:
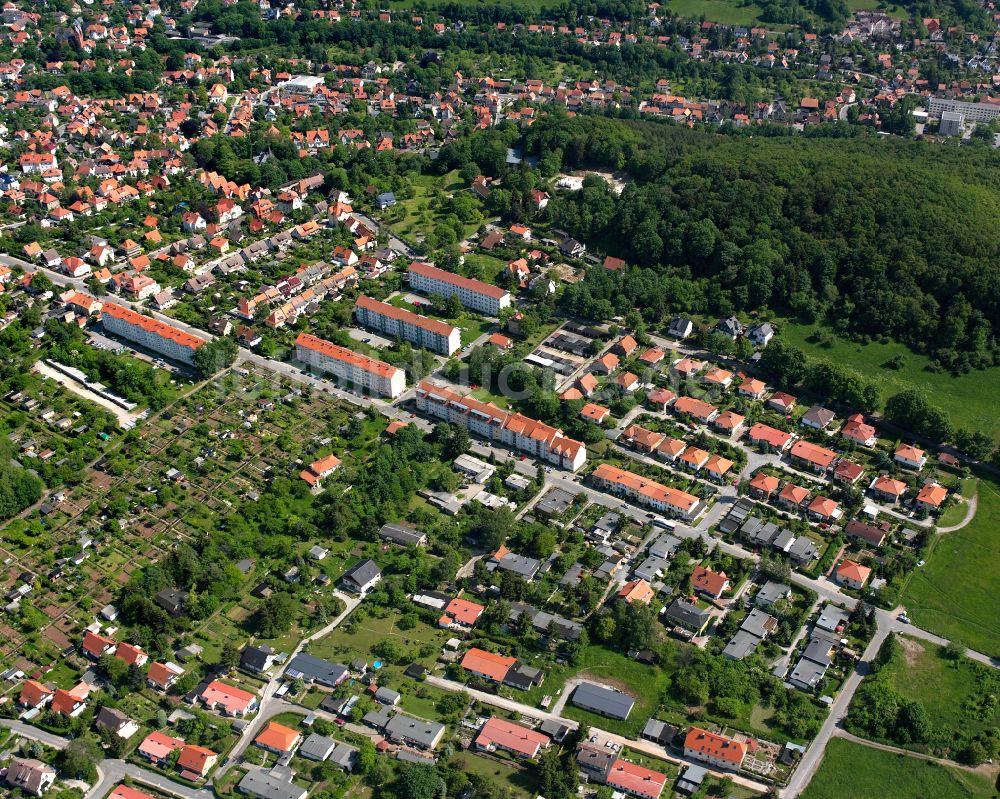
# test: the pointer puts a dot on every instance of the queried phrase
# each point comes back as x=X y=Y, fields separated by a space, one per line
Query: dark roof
x=363 y=573
x=315 y=669
x=603 y=700
x=686 y=614
x=401 y=534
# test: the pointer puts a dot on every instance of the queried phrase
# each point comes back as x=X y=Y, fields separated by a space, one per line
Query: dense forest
x=878 y=237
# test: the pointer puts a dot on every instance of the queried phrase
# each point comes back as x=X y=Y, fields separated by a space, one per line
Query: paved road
x=34 y=733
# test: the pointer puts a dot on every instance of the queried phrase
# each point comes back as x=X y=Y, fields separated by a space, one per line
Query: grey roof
x=757 y=623
x=401 y=534
x=344 y=756
x=659 y=731
x=771 y=592
x=609 y=521
x=818 y=415
x=363 y=573
x=265 y=785
x=649 y=568
x=803 y=549
x=317 y=747
x=832 y=617
x=603 y=700
x=386 y=696
x=573 y=575
x=741 y=645
x=556 y=501
x=665 y=546
x=818 y=651
x=315 y=669
x=422 y=733
x=595 y=759
x=378 y=718
x=806 y=674
x=520 y=565
x=687 y=614
x=783 y=540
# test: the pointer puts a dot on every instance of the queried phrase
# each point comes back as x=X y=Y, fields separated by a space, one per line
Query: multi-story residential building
x=151 y=334
x=972 y=112
x=512 y=429
x=400 y=323
x=647 y=492
x=377 y=377
x=716 y=750
x=473 y=294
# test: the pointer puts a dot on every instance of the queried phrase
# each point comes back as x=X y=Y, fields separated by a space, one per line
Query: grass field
x=725 y=12
x=854 y=771
x=955 y=594
x=969 y=399
x=922 y=673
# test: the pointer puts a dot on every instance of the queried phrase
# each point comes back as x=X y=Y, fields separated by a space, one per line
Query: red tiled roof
x=477 y=286
x=403 y=315
x=487 y=664
x=345 y=355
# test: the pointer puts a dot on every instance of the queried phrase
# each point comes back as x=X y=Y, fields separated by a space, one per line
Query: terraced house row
x=648 y=492
x=512 y=429
x=348 y=366
x=398 y=322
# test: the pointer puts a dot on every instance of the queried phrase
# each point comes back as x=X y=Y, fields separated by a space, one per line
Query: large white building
x=512 y=429
x=150 y=334
x=377 y=377
x=473 y=294
x=972 y=112
x=400 y=323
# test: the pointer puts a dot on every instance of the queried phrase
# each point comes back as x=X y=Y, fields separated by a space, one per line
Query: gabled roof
x=488 y=664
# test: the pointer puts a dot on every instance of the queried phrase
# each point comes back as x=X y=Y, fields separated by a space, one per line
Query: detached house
x=910 y=457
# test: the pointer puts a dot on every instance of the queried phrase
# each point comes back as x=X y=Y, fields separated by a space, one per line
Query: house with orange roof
x=700 y=410
x=637 y=591
x=642 y=439
x=887 y=488
x=462 y=613
x=694 y=458
x=132 y=655
x=195 y=762
x=278 y=738
x=587 y=383
x=498 y=733
x=627 y=381
x=763 y=485
x=162 y=675
x=488 y=665
x=626 y=346
x=157 y=746
x=857 y=430
x=711 y=583
x=931 y=496
x=781 y=402
x=316 y=472
x=671 y=449
x=792 y=496
x=817 y=458
x=909 y=456
x=852 y=574
x=728 y=422
x=570 y=394
x=660 y=398
x=595 y=413
x=687 y=367
x=635 y=780
x=71 y=703
x=34 y=694
x=752 y=388
x=718 y=467
x=228 y=699
x=716 y=750
x=652 y=356
x=718 y=377
x=96 y=646
x=824 y=509
x=606 y=364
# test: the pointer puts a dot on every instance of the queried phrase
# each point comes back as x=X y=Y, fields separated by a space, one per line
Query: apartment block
x=399 y=323
x=511 y=429
x=647 y=492
x=377 y=377
x=473 y=294
x=150 y=334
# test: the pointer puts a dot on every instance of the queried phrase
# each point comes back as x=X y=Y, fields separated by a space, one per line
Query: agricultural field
x=954 y=594
x=968 y=400
x=855 y=771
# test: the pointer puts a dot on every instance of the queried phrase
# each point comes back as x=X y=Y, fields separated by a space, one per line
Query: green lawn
x=955 y=594
x=945 y=688
x=854 y=771
x=520 y=781
x=969 y=399
x=725 y=12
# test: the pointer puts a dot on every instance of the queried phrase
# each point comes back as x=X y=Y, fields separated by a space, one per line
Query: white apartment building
x=512 y=429
x=431 y=334
x=972 y=112
x=473 y=294
x=151 y=334
x=377 y=377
